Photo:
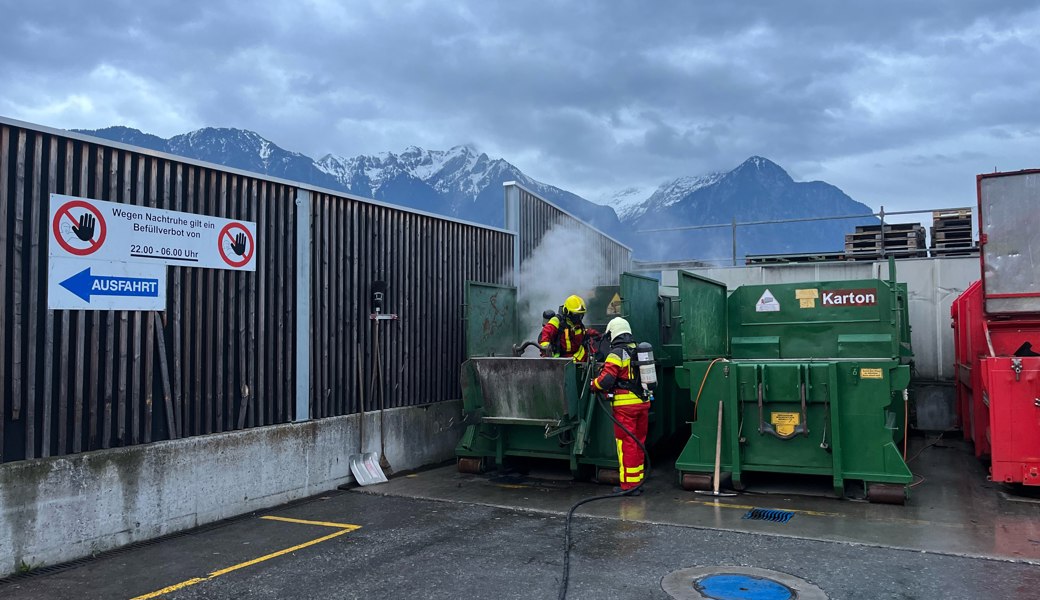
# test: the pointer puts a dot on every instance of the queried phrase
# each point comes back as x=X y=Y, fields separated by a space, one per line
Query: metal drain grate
x=768 y=514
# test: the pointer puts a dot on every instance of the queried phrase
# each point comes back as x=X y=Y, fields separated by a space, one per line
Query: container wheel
x=611 y=476
x=693 y=482
x=886 y=493
x=471 y=465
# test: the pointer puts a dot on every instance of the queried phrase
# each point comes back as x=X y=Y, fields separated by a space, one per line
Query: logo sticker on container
x=767 y=303
x=871 y=374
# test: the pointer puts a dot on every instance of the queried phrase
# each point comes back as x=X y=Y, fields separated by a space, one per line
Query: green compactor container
x=540 y=407
x=812 y=379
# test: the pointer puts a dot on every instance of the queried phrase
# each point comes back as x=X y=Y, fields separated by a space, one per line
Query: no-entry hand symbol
x=236 y=244
x=79 y=227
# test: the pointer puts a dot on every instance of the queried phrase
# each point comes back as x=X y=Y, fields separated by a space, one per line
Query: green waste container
x=540 y=407
x=812 y=379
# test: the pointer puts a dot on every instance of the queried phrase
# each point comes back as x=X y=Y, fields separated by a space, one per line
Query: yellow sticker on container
x=807 y=303
x=806 y=294
x=785 y=422
x=614 y=307
x=871 y=374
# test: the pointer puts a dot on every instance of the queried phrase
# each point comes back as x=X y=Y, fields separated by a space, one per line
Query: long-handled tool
x=384 y=464
x=364 y=465
x=718 y=462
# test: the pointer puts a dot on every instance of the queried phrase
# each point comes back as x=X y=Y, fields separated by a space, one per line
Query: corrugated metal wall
x=222 y=356
x=538 y=216
x=425 y=262
x=219 y=358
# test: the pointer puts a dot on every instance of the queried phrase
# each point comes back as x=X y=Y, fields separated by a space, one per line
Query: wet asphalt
x=458 y=546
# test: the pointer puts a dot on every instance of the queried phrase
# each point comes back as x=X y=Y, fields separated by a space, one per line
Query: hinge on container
x=1016 y=366
x=1036 y=402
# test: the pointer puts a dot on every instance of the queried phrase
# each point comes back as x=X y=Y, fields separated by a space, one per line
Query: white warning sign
x=767 y=303
x=116 y=232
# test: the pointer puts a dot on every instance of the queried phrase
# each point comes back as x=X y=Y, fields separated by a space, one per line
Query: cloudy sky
x=899 y=103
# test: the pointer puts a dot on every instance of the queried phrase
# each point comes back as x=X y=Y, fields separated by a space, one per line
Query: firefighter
x=619 y=381
x=564 y=336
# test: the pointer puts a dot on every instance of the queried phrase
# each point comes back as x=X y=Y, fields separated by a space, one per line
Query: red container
x=998 y=383
x=1012 y=386
x=969 y=344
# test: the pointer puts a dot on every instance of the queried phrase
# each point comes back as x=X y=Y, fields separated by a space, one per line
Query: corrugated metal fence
x=535 y=216
x=222 y=356
x=425 y=262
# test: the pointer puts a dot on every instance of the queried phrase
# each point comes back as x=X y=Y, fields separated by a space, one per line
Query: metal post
x=733 y=235
x=513 y=224
x=303 y=304
x=882 y=215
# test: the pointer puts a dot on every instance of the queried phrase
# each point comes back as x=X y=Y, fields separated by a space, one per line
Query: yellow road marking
x=342 y=527
x=321 y=523
x=512 y=486
x=746 y=507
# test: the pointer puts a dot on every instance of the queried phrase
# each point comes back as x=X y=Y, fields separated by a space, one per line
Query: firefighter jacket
x=619 y=377
x=564 y=341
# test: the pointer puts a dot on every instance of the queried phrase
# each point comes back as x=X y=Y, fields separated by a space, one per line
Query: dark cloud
x=884 y=99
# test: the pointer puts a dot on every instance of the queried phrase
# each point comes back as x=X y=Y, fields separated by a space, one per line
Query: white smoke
x=565 y=262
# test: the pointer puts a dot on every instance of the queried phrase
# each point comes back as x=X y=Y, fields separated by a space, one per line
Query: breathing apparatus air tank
x=647 y=369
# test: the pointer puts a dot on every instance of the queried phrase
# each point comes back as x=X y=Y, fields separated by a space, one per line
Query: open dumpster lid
x=1009 y=222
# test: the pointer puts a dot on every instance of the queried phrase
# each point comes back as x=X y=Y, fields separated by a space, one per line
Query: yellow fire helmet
x=574 y=305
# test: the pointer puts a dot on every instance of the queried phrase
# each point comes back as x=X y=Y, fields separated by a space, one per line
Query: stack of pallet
x=951 y=233
x=903 y=240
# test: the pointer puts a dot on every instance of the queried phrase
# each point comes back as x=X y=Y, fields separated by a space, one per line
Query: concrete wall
x=59 y=509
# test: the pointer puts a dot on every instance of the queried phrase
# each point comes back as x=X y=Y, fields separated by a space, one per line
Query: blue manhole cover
x=738 y=583
x=729 y=586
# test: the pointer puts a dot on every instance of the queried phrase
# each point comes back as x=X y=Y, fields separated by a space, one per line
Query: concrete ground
x=439 y=534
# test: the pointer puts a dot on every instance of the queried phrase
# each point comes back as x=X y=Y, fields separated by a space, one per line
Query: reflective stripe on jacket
x=570 y=342
x=618 y=377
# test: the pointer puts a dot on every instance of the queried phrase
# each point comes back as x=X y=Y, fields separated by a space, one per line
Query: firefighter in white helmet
x=618 y=380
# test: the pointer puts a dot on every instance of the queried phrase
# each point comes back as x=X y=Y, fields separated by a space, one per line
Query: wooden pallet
x=951 y=223
x=960 y=233
x=887 y=236
x=888 y=227
x=943 y=220
x=955 y=251
x=956 y=213
x=954 y=244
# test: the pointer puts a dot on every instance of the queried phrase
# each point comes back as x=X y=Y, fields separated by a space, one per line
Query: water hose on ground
x=570 y=514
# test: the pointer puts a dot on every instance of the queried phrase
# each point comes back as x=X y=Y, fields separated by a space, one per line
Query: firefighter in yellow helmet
x=564 y=335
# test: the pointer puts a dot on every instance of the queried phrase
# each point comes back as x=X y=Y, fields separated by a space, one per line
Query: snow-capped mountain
x=465 y=183
x=460 y=182
x=236 y=148
x=668 y=194
x=757 y=190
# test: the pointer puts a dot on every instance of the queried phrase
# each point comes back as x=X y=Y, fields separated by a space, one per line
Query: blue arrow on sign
x=85 y=285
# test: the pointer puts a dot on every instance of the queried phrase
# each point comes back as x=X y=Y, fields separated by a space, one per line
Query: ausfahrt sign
x=85 y=284
x=115 y=232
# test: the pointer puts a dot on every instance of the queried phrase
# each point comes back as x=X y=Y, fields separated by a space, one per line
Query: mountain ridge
x=464 y=183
